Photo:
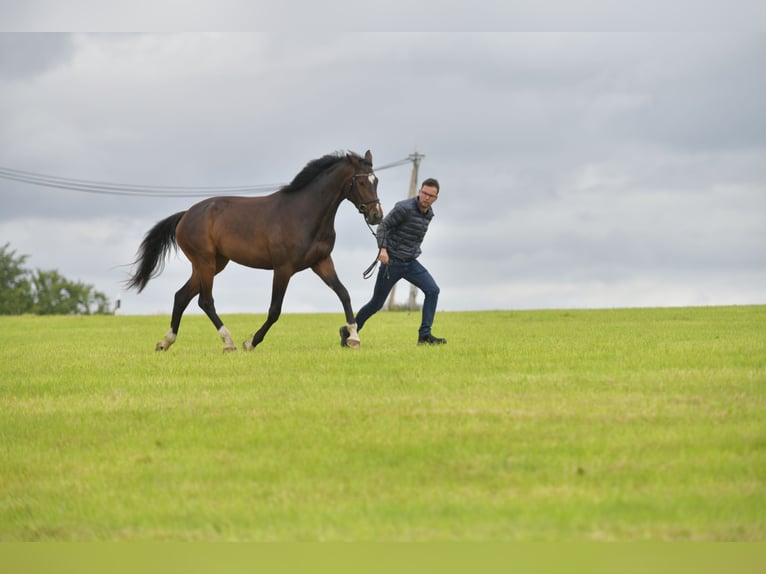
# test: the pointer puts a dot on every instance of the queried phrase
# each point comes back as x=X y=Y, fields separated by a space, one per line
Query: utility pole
x=415 y=159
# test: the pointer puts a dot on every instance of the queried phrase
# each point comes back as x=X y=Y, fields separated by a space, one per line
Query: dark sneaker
x=344 y=336
x=430 y=340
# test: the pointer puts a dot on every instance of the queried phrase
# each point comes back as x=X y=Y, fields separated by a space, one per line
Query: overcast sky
x=578 y=170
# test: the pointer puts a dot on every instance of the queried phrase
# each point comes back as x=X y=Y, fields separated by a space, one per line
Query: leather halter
x=363 y=204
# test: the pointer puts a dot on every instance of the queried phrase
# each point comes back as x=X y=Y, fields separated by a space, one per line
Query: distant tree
x=100 y=304
x=54 y=295
x=15 y=287
x=44 y=292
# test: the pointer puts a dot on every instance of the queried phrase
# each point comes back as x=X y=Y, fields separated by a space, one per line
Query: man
x=399 y=237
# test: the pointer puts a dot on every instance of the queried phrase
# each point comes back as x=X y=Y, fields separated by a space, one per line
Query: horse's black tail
x=154 y=248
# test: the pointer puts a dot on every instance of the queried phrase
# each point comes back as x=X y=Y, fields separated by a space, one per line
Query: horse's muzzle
x=373 y=217
x=373 y=213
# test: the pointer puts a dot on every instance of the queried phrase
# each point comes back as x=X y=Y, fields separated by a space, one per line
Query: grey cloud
x=708 y=93
x=24 y=56
x=567 y=162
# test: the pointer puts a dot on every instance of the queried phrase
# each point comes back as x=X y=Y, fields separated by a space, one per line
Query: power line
x=107 y=188
x=132 y=190
x=393 y=164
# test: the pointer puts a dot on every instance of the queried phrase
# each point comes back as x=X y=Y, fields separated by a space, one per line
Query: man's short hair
x=431 y=182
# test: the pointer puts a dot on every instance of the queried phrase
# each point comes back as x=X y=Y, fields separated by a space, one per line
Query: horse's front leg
x=326 y=270
x=278 y=289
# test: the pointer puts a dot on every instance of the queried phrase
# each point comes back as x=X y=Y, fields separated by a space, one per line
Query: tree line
x=44 y=292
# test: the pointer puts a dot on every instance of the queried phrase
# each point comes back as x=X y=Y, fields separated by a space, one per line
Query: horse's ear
x=368 y=156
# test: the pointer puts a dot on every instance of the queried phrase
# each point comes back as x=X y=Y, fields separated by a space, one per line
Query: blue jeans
x=388 y=275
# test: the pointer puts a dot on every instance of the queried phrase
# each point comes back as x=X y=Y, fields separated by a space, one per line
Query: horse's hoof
x=229 y=349
x=353 y=344
x=248 y=345
x=160 y=347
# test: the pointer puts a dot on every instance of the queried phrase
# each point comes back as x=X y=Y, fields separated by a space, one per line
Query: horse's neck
x=318 y=203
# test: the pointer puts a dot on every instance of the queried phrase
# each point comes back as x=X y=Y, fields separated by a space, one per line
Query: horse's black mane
x=318 y=166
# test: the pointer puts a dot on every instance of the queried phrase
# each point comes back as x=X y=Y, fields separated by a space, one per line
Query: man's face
x=426 y=197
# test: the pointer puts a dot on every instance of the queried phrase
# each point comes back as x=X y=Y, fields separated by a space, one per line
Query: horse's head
x=363 y=191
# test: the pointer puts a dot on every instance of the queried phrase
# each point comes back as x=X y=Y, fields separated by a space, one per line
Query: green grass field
x=639 y=424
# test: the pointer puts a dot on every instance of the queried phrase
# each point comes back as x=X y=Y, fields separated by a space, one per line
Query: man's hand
x=383 y=256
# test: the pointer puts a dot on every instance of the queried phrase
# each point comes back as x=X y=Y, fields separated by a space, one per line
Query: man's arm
x=391 y=221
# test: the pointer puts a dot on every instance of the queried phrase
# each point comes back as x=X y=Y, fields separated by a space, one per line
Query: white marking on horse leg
x=353 y=336
x=228 y=344
x=164 y=345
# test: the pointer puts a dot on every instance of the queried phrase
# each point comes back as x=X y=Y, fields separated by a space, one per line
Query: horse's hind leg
x=181 y=301
x=207 y=303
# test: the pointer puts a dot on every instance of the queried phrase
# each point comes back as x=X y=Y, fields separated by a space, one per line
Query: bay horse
x=287 y=231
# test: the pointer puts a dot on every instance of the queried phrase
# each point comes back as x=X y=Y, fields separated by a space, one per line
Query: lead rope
x=367 y=273
x=371 y=269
